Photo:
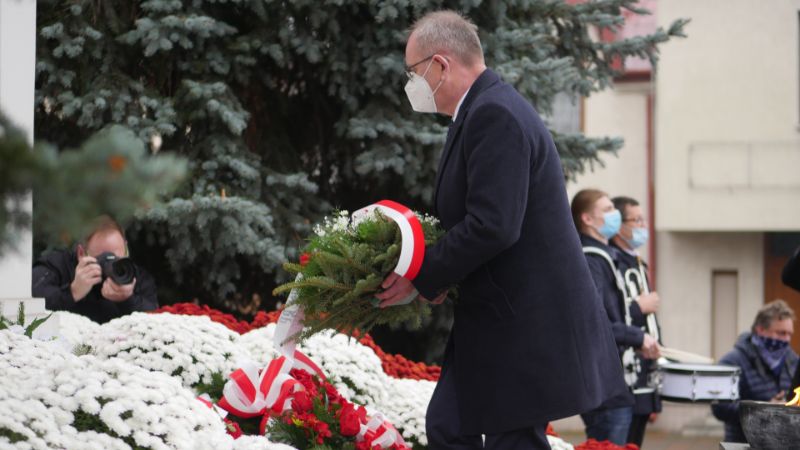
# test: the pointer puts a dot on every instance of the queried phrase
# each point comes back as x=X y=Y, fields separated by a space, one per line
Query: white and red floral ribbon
x=412 y=248
x=251 y=392
x=380 y=432
x=206 y=400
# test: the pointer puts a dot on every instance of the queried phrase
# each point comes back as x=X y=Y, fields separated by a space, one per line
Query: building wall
x=727 y=136
x=686 y=262
x=621 y=112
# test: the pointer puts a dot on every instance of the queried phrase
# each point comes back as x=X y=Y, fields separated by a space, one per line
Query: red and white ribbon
x=250 y=394
x=412 y=249
x=380 y=432
x=206 y=399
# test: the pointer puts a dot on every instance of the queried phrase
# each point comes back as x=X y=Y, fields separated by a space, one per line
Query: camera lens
x=121 y=270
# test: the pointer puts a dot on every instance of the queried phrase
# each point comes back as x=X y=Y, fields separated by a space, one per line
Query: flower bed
x=134 y=382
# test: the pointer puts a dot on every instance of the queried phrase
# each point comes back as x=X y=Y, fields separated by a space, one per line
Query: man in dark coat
x=73 y=280
x=632 y=235
x=530 y=342
x=767 y=362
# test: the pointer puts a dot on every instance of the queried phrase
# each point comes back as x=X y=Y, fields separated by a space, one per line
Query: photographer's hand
x=116 y=293
x=87 y=274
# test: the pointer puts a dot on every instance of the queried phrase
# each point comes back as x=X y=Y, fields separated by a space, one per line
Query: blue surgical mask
x=638 y=238
x=612 y=220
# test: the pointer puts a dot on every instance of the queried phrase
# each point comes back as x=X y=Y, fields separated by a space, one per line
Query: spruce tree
x=287 y=109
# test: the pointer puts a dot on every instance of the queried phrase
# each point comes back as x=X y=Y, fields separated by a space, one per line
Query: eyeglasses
x=410 y=69
x=637 y=220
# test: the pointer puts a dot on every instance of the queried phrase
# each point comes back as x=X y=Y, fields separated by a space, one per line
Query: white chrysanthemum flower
x=75 y=328
x=189 y=347
x=258 y=443
x=259 y=344
x=559 y=444
x=55 y=400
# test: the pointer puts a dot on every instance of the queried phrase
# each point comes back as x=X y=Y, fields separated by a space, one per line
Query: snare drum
x=699 y=382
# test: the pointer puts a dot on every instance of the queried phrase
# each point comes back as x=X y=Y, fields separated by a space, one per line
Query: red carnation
x=349 y=421
x=304 y=259
x=301 y=402
x=233 y=428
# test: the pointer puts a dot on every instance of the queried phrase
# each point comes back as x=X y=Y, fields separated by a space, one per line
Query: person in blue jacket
x=767 y=362
x=530 y=342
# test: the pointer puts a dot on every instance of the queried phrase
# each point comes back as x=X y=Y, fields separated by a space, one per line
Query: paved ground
x=659 y=440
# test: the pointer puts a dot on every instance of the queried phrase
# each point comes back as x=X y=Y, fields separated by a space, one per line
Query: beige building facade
x=712 y=151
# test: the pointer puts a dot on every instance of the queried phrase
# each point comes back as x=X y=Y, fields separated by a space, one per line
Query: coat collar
x=484 y=81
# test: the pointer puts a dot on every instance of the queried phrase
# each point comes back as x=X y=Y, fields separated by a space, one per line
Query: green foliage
x=111 y=173
x=5 y=323
x=289 y=108
x=347 y=262
x=12 y=436
x=17 y=166
x=83 y=421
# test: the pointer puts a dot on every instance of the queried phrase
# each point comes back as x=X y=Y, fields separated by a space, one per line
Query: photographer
x=96 y=280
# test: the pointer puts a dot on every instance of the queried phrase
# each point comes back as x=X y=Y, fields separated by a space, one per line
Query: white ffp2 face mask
x=420 y=94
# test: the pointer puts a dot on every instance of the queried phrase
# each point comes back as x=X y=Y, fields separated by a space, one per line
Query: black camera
x=121 y=270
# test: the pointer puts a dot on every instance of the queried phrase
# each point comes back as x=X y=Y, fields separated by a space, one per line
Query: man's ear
x=586 y=219
x=80 y=251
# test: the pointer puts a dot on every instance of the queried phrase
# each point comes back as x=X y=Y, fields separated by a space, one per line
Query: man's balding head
x=447 y=32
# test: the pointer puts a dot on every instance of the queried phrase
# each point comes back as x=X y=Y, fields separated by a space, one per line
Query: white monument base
x=34 y=309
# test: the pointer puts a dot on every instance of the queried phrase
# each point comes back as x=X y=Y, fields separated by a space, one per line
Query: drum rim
x=700 y=369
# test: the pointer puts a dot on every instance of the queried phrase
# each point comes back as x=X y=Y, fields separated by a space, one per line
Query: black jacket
x=604 y=279
x=531 y=342
x=791 y=271
x=625 y=262
x=53 y=273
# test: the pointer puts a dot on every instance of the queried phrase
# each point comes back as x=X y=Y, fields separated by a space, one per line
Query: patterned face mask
x=772 y=351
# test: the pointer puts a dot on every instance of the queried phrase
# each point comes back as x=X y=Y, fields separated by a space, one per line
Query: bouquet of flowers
x=345 y=262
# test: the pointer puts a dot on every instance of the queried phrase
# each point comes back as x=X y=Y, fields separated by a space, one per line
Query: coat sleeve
x=637 y=317
x=624 y=335
x=498 y=164
x=144 y=296
x=52 y=283
x=729 y=411
x=791 y=271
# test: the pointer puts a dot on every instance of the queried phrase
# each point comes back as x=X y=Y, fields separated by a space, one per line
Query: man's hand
x=780 y=397
x=116 y=293
x=87 y=274
x=649 y=349
x=397 y=291
x=648 y=303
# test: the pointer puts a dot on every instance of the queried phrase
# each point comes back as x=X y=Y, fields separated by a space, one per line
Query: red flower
x=349 y=421
x=304 y=259
x=233 y=428
x=301 y=402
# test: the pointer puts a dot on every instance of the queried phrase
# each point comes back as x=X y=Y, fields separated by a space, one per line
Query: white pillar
x=17 y=75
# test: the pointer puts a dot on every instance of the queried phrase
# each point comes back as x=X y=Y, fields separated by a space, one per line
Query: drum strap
x=618 y=278
x=630 y=364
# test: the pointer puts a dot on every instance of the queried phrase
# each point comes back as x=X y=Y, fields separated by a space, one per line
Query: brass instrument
x=637 y=285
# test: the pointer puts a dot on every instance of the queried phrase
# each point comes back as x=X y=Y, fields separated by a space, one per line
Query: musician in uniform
x=633 y=234
x=767 y=362
x=597 y=221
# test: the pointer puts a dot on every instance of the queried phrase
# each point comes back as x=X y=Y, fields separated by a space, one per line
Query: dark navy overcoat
x=531 y=341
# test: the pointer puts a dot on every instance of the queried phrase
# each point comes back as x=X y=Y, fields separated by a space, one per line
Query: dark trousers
x=443 y=426
x=638 y=426
x=608 y=424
